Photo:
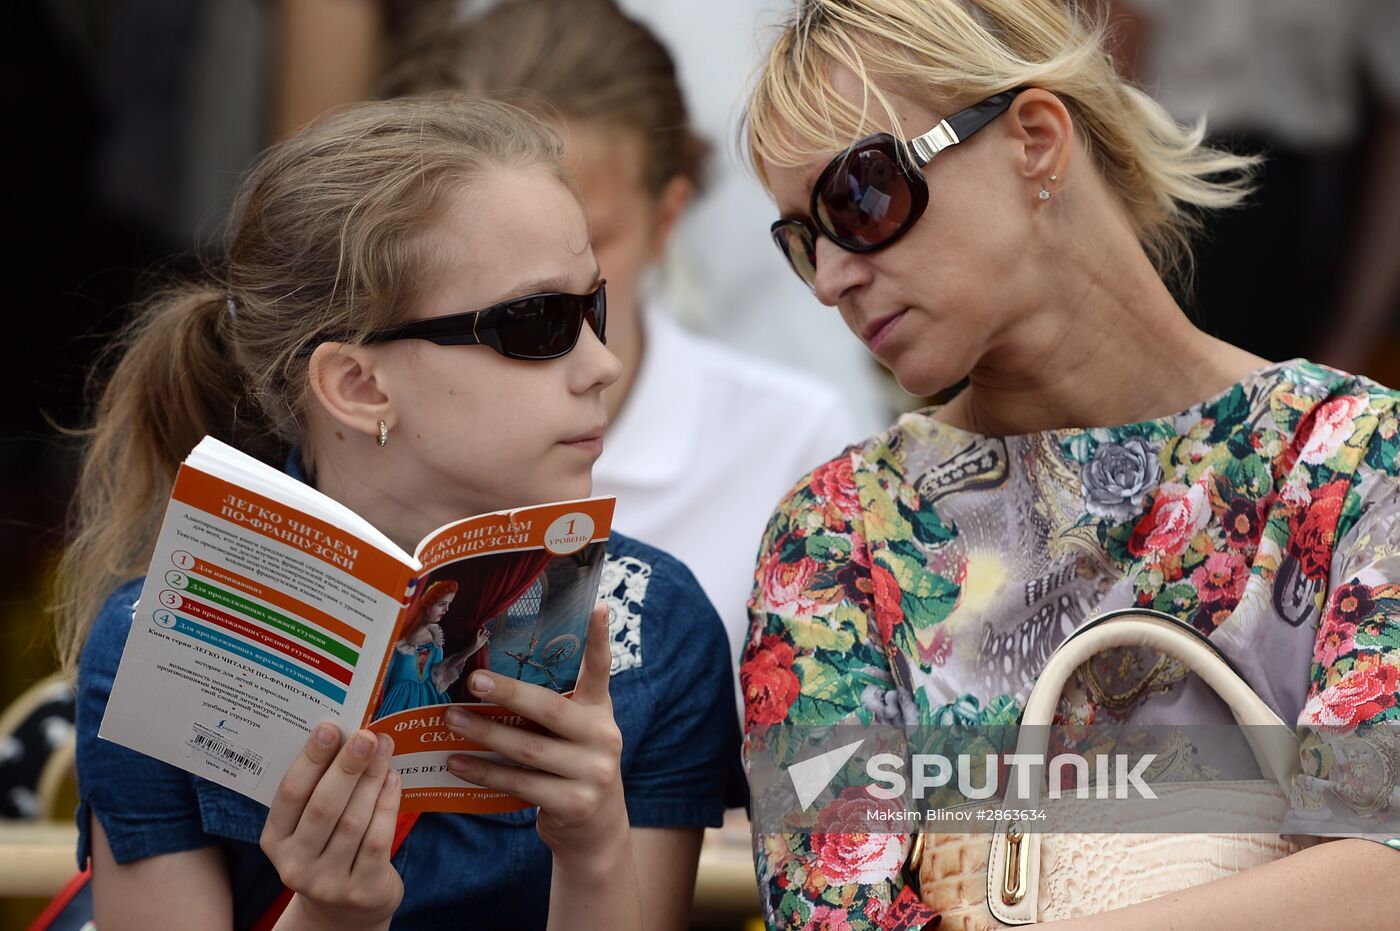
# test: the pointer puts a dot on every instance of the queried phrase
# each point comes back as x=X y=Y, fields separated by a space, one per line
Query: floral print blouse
x=1267 y=516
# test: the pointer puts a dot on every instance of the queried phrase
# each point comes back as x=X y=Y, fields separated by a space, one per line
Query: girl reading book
x=688 y=415
x=410 y=319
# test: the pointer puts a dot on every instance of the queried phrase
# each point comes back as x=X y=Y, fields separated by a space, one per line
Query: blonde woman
x=980 y=197
x=412 y=320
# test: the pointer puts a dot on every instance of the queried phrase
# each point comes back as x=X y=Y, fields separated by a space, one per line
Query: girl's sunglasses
x=872 y=193
x=536 y=327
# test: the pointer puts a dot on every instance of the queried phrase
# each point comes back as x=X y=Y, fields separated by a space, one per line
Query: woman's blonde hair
x=961 y=51
x=326 y=240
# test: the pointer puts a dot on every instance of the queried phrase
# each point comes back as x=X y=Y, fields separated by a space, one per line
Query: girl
x=981 y=197
x=380 y=214
x=701 y=440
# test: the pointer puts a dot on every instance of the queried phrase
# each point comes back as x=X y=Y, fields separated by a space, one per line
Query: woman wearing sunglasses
x=412 y=320
x=981 y=198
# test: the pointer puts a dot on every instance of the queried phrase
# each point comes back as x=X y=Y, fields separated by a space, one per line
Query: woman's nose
x=838 y=271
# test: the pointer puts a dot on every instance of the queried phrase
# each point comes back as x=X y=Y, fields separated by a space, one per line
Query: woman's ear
x=1040 y=122
x=350 y=387
x=670 y=205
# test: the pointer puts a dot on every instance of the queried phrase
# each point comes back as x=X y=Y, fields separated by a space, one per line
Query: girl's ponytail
x=172 y=381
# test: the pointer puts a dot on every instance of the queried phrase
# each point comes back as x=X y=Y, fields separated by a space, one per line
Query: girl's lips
x=878 y=332
x=592 y=445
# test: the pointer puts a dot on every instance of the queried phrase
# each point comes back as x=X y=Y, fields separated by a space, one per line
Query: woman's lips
x=878 y=331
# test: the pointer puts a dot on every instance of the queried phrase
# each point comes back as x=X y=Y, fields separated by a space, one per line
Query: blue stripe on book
x=277 y=664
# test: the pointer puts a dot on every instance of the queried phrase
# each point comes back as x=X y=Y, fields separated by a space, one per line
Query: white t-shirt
x=708 y=443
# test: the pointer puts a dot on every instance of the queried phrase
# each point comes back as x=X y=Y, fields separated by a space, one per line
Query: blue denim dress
x=673 y=697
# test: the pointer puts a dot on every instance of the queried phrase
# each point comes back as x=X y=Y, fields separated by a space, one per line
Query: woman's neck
x=1113 y=347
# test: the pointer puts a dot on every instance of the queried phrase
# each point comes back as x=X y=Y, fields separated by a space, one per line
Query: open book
x=270 y=607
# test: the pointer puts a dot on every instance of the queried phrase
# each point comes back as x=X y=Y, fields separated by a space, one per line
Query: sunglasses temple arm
x=975 y=117
x=959 y=126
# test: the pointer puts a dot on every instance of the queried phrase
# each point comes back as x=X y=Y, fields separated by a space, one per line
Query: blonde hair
x=961 y=51
x=325 y=241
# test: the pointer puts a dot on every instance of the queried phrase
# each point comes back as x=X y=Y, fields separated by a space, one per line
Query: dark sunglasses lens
x=541 y=327
x=865 y=198
x=596 y=313
x=793 y=240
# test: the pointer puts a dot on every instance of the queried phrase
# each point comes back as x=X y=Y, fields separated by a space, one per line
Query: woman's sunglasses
x=535 y=327
x=873 y=192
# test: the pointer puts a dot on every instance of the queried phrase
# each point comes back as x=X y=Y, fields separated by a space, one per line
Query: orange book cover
x=268 y=608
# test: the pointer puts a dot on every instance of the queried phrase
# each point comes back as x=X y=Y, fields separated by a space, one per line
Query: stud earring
x=1045 y=191
x=383 y=437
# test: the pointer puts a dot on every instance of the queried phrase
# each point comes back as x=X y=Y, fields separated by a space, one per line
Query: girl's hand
x=330 y=831
x=576 y=779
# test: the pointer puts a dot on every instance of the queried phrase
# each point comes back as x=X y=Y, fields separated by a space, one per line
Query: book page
x=510 y=592
x=256 y=622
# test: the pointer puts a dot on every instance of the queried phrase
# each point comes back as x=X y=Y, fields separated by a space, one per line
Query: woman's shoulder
x=839 y=490
x=1334 y=418
x=1304 y=385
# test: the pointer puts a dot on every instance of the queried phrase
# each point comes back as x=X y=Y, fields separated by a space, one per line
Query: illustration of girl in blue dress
x=419 y=674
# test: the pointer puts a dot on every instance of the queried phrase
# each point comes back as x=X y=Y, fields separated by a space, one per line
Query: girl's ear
x=350 y=387
x=670 y=206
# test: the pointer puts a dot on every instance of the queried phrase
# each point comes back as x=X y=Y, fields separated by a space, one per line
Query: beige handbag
x=1020 y=877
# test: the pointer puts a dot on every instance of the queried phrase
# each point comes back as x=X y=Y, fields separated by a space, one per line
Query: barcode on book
x=234 y=758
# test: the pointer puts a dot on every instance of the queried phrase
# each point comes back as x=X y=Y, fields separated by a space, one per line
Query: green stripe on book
x=201 y=589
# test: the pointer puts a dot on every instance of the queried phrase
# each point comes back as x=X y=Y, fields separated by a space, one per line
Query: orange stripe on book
x=273 y=519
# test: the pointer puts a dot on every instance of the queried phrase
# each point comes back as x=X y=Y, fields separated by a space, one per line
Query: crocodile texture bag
x=1021 y=877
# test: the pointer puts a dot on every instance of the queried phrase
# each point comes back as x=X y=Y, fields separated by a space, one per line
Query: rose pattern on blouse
x=1118 y=478
x=1281 y=492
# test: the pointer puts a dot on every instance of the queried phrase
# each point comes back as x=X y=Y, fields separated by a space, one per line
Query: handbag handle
x=1274 y=744
x=1013 y=871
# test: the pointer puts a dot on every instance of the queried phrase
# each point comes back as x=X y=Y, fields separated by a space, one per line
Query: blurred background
x=132 y=120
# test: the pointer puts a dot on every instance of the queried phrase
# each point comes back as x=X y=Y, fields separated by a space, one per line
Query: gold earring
x=383 y=437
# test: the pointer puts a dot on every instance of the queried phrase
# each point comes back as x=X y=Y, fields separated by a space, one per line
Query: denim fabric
x=672 y=690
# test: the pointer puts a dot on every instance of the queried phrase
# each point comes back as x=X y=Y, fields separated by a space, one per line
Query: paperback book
x=269 y=607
